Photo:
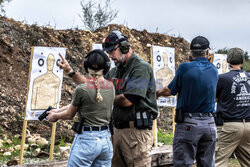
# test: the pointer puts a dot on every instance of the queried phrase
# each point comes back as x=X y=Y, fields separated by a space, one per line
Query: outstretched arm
x=60 y=109
x=67 y=113
x=163 y=92
x=77 y=78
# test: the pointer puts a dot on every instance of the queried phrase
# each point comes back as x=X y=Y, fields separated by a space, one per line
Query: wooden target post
x=52 y=141
x=22 y=142
x=155 y=138
x=172 y=108
x=173 y=119
x=25 y=122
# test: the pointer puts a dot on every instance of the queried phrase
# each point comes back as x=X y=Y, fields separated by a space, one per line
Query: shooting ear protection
x=123 y=42
x=107 y=61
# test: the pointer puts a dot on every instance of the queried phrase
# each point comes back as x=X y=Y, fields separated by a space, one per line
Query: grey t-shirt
x=95 y=114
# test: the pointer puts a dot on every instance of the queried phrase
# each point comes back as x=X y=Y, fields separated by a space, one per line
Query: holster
x=179 y=115
x=111 y=128
x=77 y=126
x=218 y=118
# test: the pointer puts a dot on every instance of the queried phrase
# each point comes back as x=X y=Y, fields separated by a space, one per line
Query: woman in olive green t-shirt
x=93 y=101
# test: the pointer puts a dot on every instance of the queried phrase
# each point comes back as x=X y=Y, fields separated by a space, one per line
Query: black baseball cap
x=199 y=43
x=114 y=38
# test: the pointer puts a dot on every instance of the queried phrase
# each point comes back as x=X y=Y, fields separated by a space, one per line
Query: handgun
x=44 y=114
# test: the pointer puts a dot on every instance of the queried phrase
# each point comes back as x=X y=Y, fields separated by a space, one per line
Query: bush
x=96 y=15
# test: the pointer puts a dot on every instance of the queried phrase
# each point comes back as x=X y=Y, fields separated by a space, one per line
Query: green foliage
x=6 y=146
x=16 y=141
x=29 y=155
x=222 y=51
x=62 y=141
x=2 y=5
x=246 y=66
x=1 y=130
x=165 y=138
x=96 y=15
x=225 y=50
x=246 y=56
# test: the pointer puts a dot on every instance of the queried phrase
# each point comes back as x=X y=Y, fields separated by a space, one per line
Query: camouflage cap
x=235 y=56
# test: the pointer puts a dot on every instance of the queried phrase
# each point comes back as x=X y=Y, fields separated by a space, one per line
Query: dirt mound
x=16 y=40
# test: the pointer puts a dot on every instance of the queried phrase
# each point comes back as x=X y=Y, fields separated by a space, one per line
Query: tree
x=222 y=51
x=2 y=5
x=95 y=15
x=225 y=50
x=246 y=64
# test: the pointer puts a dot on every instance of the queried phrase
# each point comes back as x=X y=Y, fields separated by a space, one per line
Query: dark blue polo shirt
x=195 y=82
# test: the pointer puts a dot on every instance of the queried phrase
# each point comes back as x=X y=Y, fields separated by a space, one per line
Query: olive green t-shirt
x=136 y=77
x=95 y=113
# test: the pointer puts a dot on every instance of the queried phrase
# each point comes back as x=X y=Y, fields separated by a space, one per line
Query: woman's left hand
x=52 y=116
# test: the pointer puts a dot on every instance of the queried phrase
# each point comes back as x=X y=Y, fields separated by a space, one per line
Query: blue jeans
x=91 y=148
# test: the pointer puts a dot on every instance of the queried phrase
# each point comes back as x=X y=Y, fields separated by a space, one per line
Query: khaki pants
x=132 y=147
x=233 y=136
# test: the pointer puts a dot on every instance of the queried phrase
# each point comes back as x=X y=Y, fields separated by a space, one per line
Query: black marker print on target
x=158 y=58
x=218 y=65
x=171 y=60
x=57 y=63
x=40 y=62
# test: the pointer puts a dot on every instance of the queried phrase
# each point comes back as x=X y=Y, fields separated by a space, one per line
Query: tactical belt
x=95 y=128
x=130 y=124
x=205 y=114
x=123 y=125
x=236 y=120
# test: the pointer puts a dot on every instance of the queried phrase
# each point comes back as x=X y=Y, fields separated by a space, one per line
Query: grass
x=62 y=141
x=5 y=147
x=233 y=163
x=165 y=138
x=28 y=156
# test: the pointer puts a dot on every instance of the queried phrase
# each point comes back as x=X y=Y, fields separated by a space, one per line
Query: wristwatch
x=72 y=73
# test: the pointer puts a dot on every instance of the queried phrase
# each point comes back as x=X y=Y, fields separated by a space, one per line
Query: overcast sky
x=226 y=23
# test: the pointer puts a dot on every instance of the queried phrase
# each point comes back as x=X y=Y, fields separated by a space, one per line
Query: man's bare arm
x=122 y=101
x=163 y=92
x=77 y=78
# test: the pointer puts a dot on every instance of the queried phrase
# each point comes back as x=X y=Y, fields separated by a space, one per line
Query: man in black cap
x=195 y=130
x=135 y=104
x=233 y=106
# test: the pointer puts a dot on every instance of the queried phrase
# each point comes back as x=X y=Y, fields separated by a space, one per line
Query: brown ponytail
x=97 y=74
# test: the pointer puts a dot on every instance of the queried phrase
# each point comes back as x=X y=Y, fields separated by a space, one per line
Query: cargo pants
x=195 y=138
x=132 y=147
x=233 y=137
